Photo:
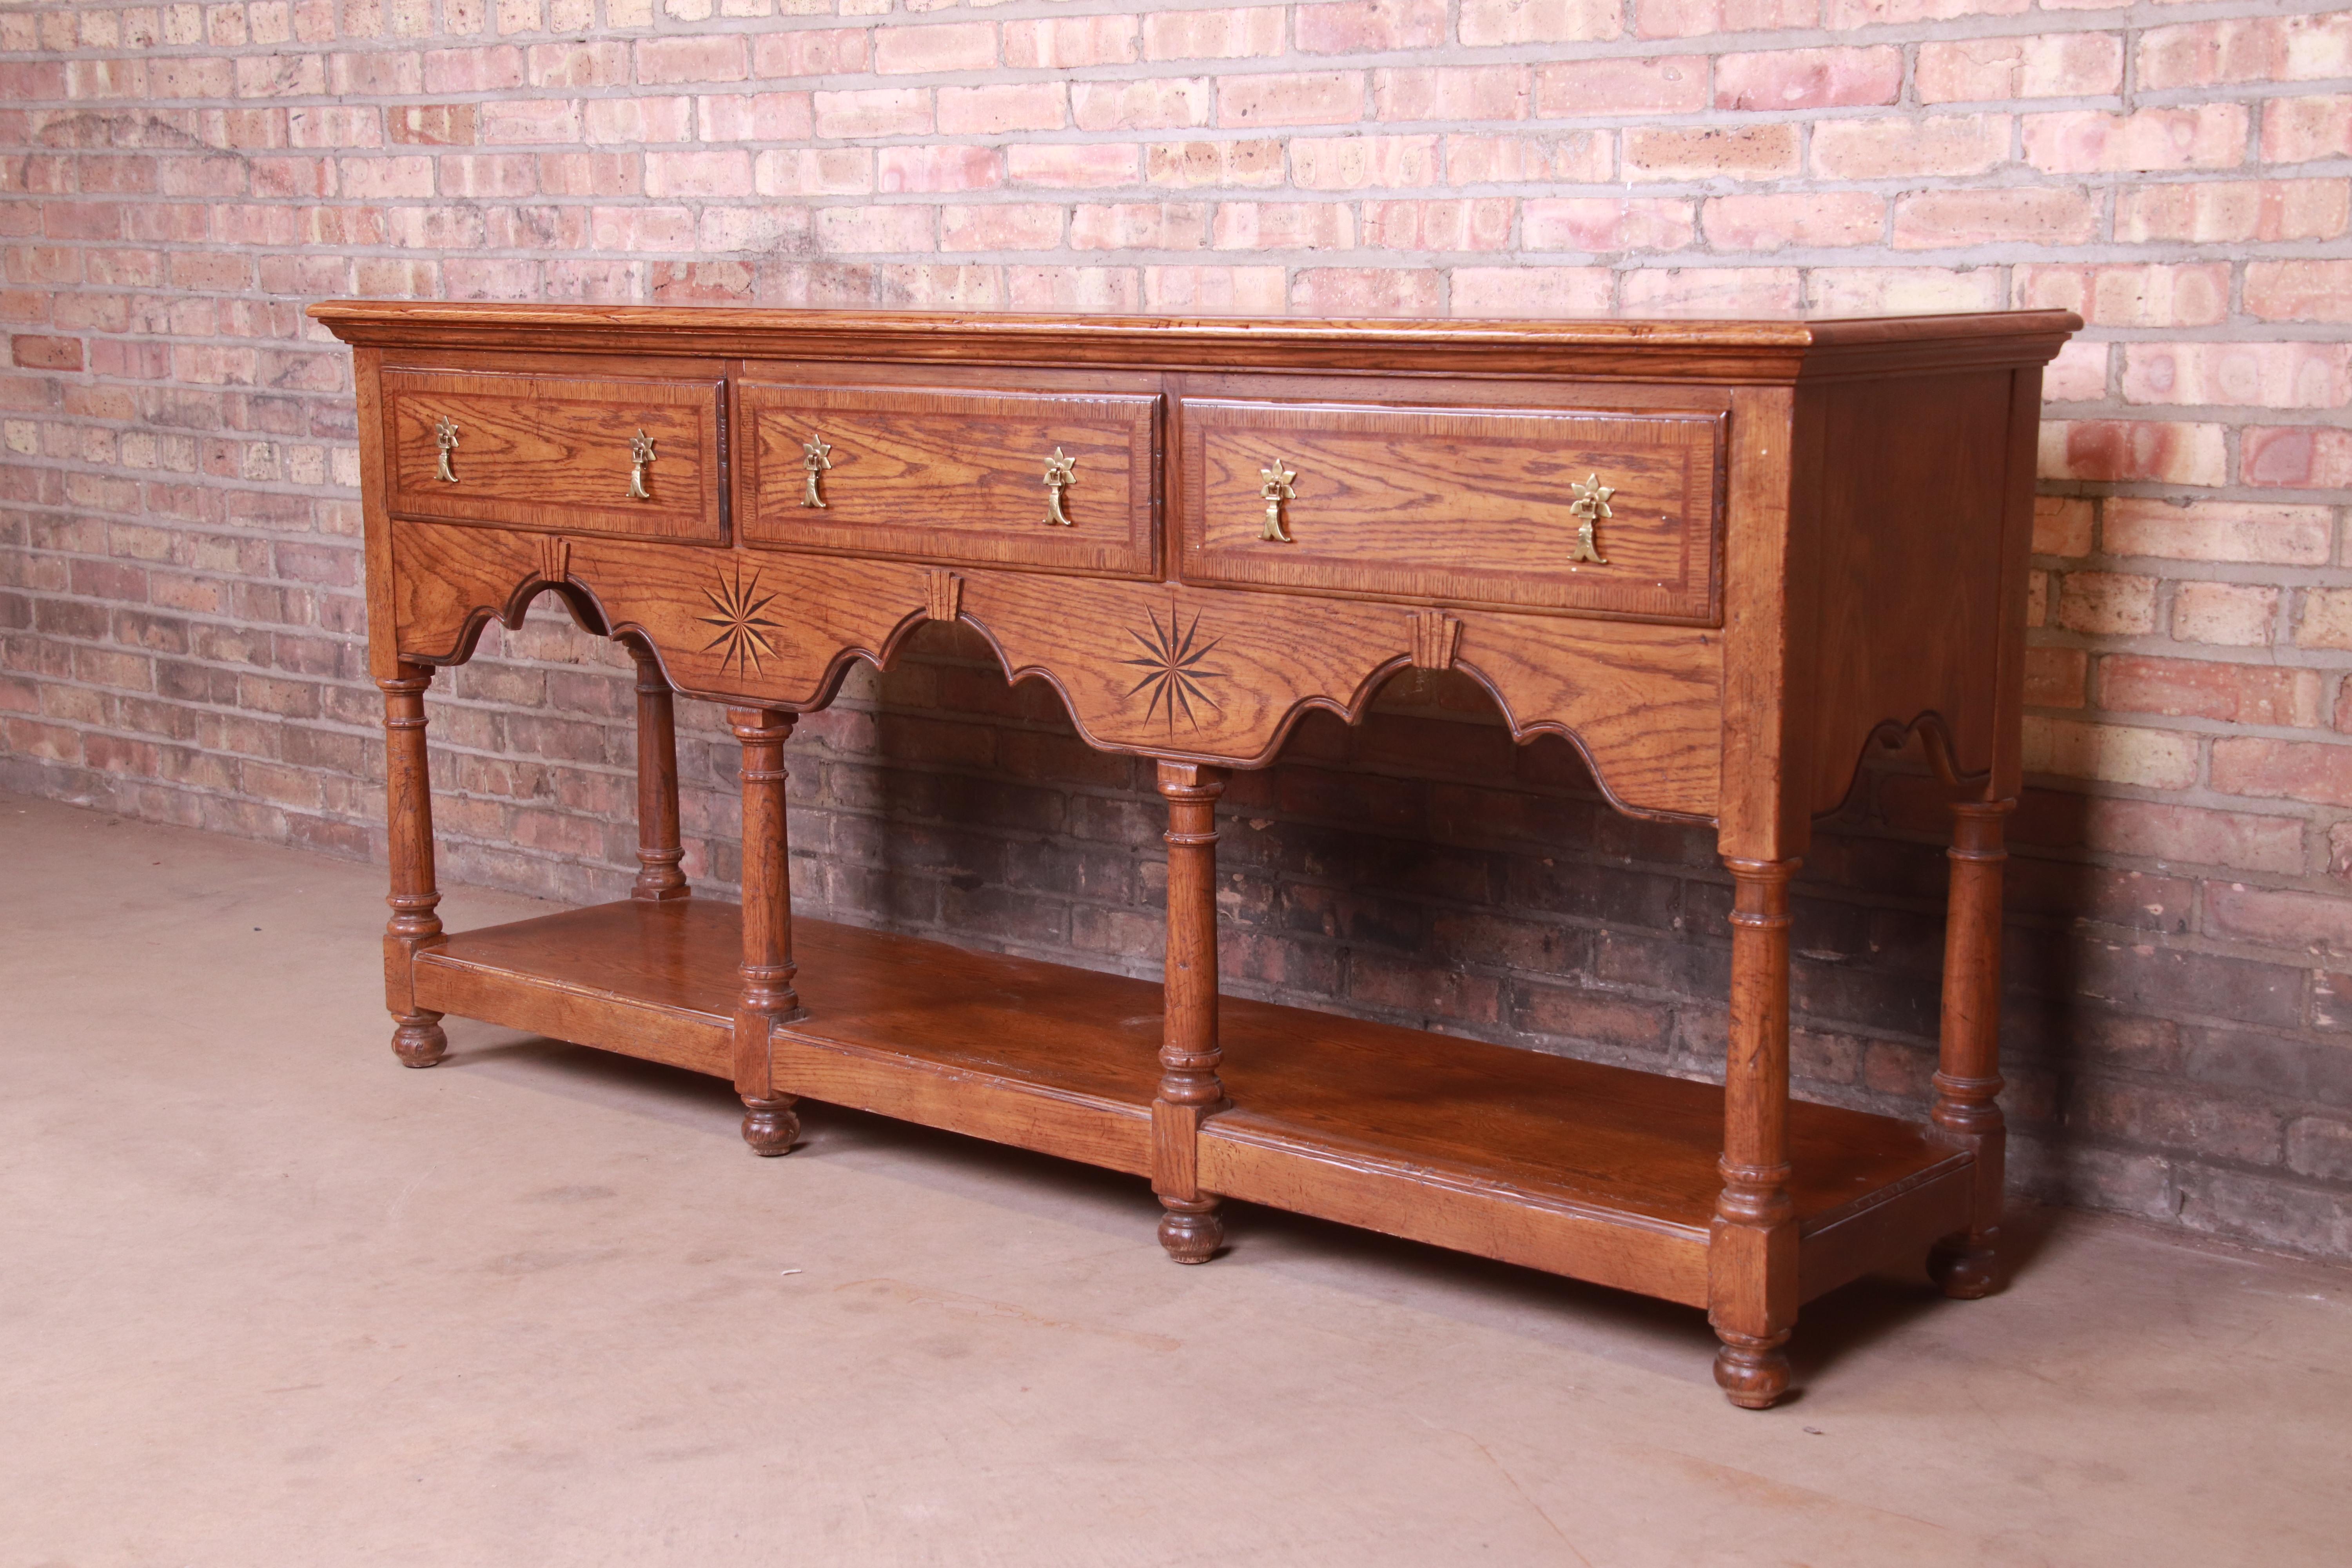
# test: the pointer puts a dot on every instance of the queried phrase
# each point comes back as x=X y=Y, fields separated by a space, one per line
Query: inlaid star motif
x=1173 y=673
x=740 y=639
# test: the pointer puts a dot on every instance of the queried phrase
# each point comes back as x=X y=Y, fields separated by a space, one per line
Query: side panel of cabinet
x=1040 y=479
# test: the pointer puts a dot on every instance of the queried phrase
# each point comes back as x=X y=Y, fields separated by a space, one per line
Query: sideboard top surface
x=1742 y=351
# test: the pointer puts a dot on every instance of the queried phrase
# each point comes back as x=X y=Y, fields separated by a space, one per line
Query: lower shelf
x=1597 y=1172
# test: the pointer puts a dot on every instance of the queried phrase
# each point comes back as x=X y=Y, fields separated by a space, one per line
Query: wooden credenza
x=1721 y=558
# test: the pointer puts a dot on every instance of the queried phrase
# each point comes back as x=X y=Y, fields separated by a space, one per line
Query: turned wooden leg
x=768 y=997
x=1752 y=1248
x=1189 y=1054
x=659 y=851
x=416 y=1037
x=1968 y=1068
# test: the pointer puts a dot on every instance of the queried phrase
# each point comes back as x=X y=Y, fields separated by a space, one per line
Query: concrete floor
x=271 y=1299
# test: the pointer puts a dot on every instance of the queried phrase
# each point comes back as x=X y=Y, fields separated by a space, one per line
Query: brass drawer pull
x=816 y=456
x=444 y=437
x=1061 y=473
x=1590 y=505
x=641 y=452
x=1274 y=492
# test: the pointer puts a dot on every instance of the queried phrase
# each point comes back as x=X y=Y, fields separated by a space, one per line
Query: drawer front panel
x=538 y=451
x=949 y=475
x=1467 y=506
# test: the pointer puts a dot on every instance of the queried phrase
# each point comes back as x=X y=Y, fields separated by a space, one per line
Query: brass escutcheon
x=1060 y=474
x=1274 y=492
x=816 y=458
x=444 y=437
x=641 y=452
x=1590 y=505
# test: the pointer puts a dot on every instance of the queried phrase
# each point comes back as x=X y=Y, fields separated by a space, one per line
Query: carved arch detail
x=1159 y=670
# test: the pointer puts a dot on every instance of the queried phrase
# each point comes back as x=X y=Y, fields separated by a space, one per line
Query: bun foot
x=418 y=1042
x=1965 y=1268
x=1190 y=1230
x=769 y=1126
x=1751 y=1373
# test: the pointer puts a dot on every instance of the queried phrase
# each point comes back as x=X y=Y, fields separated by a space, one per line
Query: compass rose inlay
x=742 y=627
x=1173 y=673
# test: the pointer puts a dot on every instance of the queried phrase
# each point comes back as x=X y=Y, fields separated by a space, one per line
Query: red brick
x=1376 y=27
x=2221 y=211
x=2192 y=835
x=2058 y=65
x=2298 y=457
x=2209 y=136
x=1213 y=35
x=1347 y=291
x=35 y=352
x=1674 y=84
x=2311 y=772
x=2220 y=530
x=2233 y=693
x=719 y=57
x=1531 y=291
x=1808 y=222
x=1063 y=43
x=1357 y=162
x=1809 y=79
x=1291 y=97
x=2299 y=290
x=1749 y=152
x=1488 y=22
x=1927 y=220
x=1606 y=223
x=2125 y=449
x=902 y=49
x=1152 y=104
x=2252 y=375
x=2108 y=604
x=1452 y=92
x=2304 y=130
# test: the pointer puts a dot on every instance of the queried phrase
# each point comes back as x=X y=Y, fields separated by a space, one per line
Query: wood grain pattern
x=1726 y=353
x=1200 y=674
x=1468 y=506
x=1602 y=1172
x=539 y=452
x=1817 y=533
x=954 y=475
x=1907 y=548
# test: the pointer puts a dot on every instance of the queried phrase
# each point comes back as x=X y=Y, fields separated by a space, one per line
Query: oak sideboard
x=1722 y=559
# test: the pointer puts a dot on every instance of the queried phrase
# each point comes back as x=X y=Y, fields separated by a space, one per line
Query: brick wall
x=180 y=623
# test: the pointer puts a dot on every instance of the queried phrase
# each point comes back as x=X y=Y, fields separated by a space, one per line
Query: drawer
x=953 y=474
x=542 y=451
x=1463 y=505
